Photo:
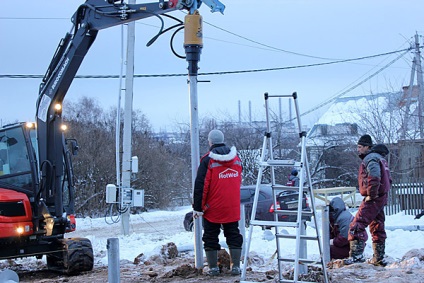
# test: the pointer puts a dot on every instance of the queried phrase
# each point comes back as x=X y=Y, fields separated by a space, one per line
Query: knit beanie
x=365 y=140
x=216 y=137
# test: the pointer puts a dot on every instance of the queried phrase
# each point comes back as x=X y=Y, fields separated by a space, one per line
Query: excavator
x=37 y=190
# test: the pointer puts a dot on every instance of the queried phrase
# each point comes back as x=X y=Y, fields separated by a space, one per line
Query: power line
x=218 y=73
x=269 y=46
x=354 y=86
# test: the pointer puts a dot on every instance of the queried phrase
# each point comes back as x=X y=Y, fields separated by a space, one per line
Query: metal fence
x=408 y=197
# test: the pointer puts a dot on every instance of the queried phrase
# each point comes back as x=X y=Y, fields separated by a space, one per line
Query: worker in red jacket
x=216 y=197
x=374 y=184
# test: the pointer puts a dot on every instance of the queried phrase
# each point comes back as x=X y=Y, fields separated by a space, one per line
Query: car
x=286 y=200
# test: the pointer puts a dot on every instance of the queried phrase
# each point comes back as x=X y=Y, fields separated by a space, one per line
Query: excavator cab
x=16 y=168
x=28 y=215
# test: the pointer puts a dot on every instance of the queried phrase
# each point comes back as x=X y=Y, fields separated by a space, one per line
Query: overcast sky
x=250 y=35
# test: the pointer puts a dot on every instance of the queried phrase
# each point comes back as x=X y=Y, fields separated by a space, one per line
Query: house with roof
x=391 y=118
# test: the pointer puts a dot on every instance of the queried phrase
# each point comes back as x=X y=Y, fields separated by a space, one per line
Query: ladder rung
x=281 y=163
x=293 y=212
x=281 y=95
x=273 y=223
x=301 y=260
x=288 y=188
x=291 y=236
x=292 y=281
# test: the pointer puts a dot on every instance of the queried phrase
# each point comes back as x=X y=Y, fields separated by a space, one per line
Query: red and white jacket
x=217 y=185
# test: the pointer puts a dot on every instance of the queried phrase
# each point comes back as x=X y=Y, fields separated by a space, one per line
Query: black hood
x=380 y=149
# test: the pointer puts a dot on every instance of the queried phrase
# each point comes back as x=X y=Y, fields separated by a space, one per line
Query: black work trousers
x=211 y=235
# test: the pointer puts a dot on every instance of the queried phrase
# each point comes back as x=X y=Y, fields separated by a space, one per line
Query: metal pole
x=408 y=99
x=113 y=260
x=250 y=111
x=303 y=251
x=118 y=116
x=280 y=111
x=420 y=86
x=326 y=233
x=242 y=225
x=239 y=112
x=193 y=46
x=126 y=157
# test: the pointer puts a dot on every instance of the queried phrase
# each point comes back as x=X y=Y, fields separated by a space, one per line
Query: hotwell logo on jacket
x=228 y=173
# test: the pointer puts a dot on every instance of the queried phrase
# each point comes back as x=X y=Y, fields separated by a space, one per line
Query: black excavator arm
x=89 y=18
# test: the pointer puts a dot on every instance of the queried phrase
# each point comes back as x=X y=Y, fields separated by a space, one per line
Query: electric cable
x=269 y=46
x=354 y=86
x=221 y=72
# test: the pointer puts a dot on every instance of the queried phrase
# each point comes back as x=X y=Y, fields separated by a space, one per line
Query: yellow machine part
x=193 y=33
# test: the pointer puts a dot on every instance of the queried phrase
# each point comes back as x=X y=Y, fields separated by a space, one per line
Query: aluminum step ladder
x=299 y=238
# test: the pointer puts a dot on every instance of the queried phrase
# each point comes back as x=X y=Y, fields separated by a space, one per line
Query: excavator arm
x=89 y=18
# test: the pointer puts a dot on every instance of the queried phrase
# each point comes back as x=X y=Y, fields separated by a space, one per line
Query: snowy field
x=151 y=230
x=399 y=241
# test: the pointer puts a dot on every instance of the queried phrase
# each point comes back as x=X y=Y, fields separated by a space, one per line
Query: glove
x=368 y=198
x=197 y=214
x=331 y=242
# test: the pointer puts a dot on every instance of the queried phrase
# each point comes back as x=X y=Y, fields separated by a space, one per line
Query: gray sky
x=31 y=30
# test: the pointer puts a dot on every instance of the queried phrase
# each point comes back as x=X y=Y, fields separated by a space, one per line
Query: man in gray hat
x=216 y=197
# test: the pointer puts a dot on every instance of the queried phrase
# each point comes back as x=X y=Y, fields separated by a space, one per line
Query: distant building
x=391 y=118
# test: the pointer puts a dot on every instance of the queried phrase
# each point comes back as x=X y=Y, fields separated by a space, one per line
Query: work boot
x=378 y=256
x=356 y=252
x=235 y=255
x=212 y=258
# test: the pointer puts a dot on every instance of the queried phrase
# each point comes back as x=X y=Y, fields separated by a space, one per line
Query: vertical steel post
x=303 y=252
x=325 y=233
x=113 y=275
x=193 y=45
x=242 y=225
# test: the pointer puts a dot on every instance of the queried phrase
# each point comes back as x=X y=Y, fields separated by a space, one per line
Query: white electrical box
x=111 y=193
x=134 y=164
x=138 y=198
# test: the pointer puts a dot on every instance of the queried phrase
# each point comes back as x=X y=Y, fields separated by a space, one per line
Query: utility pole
x=193 y=43
x=416 y=69
x=420 y=86
x=408 y=98
x=126 y=194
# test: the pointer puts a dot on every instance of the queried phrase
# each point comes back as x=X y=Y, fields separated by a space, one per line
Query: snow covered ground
x=151 y=230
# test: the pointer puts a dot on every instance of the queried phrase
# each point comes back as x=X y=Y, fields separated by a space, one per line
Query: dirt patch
x=181 y=269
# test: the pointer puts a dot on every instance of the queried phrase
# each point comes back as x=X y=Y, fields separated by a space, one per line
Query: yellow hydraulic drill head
x=193 y=33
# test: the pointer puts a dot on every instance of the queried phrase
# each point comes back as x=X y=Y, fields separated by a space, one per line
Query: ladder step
x=273 y=223
x=292 y=281
x=301 y=260
x=292 y=236
x=281 y=280
x=288 y=188
x=274 y=162
x=293 y=212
